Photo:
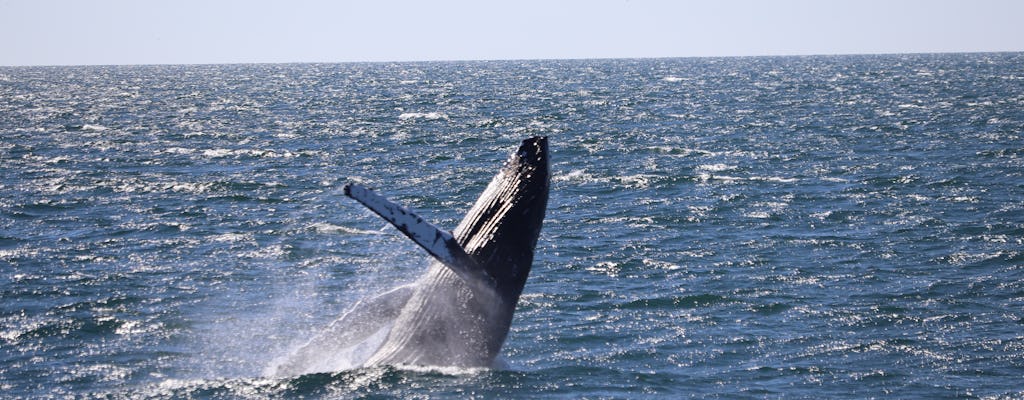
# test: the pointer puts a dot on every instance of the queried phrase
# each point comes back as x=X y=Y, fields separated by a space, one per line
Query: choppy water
x=797 y=227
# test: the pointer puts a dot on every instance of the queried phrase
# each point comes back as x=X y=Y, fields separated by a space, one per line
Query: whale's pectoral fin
x=436 y=241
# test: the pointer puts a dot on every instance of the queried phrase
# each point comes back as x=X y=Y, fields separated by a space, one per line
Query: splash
x=329 y=351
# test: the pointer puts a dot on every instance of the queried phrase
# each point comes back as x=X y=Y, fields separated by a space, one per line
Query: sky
x=90 y=32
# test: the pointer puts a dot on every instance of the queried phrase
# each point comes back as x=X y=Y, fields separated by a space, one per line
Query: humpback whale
x=459 y=312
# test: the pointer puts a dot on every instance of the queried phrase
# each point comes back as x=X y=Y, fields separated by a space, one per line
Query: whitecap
x=638 y=181
x=430 y=116
x=231 y=237
x=665 y=265
x=609 y=268
x=94 y=128
x=323 y=227
x=576 y=175
x=268 y=252
x=133 y=327
x=716 y=167
x=187 y=187
x=216 y=153
x=821 y=215
x=962 y=199
x=776 y=179
x=963 y=258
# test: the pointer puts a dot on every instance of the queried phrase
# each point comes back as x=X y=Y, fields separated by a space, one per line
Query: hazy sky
x=62 y=32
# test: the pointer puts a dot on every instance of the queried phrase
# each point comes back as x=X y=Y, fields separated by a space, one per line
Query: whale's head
x=500 y=231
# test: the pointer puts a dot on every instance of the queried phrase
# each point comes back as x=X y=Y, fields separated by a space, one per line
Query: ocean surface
x=770 y=227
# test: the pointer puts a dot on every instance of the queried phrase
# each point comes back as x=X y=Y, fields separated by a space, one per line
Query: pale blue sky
x=65 y=32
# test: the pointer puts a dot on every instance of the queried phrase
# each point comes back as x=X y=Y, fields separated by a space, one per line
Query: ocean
x=763 y=227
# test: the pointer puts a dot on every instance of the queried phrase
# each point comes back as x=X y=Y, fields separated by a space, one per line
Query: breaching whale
x=458 y=314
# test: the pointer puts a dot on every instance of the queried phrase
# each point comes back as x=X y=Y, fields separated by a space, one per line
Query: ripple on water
x=834 y=226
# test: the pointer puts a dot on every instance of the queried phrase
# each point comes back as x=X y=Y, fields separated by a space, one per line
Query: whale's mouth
x=526 y=170
x=533 y=151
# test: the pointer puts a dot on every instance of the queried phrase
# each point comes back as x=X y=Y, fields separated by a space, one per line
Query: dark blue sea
x=769 y=227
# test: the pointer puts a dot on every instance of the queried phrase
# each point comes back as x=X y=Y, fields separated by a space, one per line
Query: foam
x=430 y=116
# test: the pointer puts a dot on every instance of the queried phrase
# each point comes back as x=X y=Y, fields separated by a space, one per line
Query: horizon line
x=516 y=59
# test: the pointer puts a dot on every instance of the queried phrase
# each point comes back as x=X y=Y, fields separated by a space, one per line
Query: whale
x=459 y=312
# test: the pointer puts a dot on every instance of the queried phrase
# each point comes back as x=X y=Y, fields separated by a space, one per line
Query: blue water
x=795 y=227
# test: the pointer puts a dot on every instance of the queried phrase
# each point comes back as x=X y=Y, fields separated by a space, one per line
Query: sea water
x=783 y=227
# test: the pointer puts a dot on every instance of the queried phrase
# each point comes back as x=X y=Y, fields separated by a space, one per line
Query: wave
x=709 y=177
x=85 y=128
x=430 y=116
x=323 y=227
x=716 y=167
